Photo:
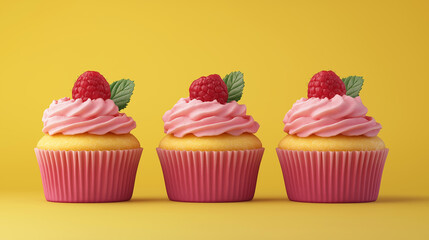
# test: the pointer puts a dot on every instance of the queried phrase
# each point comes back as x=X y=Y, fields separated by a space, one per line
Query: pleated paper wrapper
x=210 y=176
x=332 y=176
x=88 y=176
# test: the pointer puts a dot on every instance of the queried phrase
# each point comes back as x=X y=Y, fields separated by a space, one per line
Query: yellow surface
x=224 y=142
x=88 y=142
x=163 y=46
x=336 y=143
x=266 y=217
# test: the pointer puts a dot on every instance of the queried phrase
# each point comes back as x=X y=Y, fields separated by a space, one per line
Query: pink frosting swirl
x=207 y=119
x=74 y=116
x=340 y=115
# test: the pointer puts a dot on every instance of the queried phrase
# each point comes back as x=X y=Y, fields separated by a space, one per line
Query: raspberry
x=326 y=84
x=91 y=85
x=208 y=89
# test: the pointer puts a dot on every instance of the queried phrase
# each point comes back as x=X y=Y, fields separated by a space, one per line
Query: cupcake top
x=333 y=107
x=211 y=109
x=94 y=108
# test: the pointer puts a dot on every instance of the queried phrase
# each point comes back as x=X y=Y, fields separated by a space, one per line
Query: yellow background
x=165 y=45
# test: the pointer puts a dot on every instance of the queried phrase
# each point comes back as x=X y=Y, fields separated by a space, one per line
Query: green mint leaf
x=353 y=85
x=235 y=83
x=121 y=91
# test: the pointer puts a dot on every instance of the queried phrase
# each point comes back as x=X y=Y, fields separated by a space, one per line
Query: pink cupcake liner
x=210 y=176
x=332 y=177
x=88 y=176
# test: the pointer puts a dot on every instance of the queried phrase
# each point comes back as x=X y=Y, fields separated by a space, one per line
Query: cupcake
x=88 y=153
x=332 y=152
x=210 y=152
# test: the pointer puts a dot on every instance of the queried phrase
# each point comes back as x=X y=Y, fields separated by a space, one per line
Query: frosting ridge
x=340 y=115
x=207 y=119
x=74 y=116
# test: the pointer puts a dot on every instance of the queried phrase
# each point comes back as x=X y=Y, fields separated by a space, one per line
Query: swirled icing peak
x=207 y=119
x=74 y=116
x=340 y=115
